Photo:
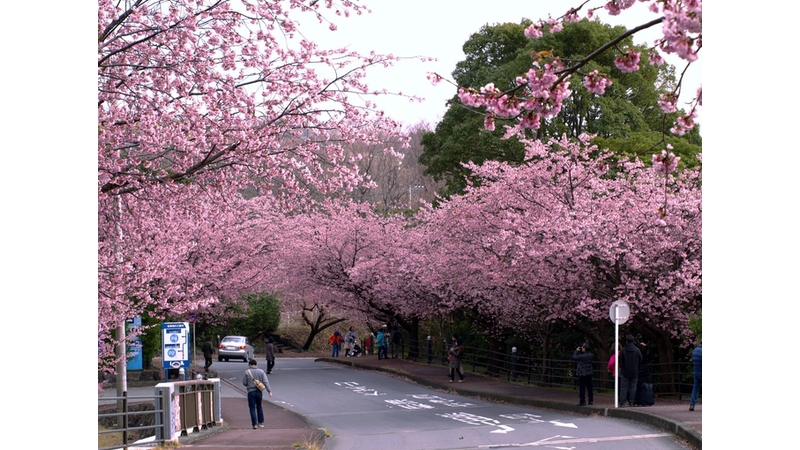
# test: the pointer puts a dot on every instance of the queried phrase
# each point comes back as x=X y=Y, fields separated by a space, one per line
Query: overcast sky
x=438 y=29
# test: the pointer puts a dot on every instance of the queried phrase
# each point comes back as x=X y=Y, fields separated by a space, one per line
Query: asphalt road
x=363 y=409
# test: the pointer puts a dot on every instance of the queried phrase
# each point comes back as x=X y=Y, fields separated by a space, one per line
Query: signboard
x=619 y=312
x=175 y=345
x=134 y=350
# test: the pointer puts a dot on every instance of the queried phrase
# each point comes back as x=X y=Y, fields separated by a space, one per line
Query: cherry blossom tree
x=558 y=238
x=199 y=101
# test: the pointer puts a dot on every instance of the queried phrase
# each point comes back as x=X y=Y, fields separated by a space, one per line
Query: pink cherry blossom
x=488 y=122
x=684 y=123
x=665 y=162
x=534 y=31
x=655 y=58
x=596 y=82
x=628 y=61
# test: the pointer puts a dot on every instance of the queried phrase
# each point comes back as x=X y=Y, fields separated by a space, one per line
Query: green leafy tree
x=696 y=325
x=255 y=315
x=624 y=119
x=460 y=136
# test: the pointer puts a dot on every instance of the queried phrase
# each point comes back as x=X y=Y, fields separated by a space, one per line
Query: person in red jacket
x=336 y=342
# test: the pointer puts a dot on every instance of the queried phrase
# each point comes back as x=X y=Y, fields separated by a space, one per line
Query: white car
x=236 y=347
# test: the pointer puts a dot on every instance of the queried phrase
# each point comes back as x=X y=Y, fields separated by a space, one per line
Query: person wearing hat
x=584 y=372
x=629 y=359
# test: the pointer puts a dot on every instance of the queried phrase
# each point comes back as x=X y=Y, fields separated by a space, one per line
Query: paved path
x=668 y=414
x=286 y=430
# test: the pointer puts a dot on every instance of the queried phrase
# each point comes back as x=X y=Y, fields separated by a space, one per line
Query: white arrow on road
x=562 y=424
x=505 y=429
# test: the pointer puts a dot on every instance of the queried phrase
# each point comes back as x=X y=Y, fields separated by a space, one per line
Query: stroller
x=356 y=350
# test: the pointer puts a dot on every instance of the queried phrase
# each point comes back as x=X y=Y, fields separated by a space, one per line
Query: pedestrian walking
x=629 y=359
x=270 y=355
x=456 y=353
x=397 y=337
x=254 y=394
x=208 y=353
x=583 y=370
x=349 y=341
x=336 y=342
x=697 y=371
x=380 y=342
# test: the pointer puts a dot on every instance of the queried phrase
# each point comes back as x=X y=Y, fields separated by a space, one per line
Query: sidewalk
x=285 y=429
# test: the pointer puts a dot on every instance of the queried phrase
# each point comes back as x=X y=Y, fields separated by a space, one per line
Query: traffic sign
x=619 y=312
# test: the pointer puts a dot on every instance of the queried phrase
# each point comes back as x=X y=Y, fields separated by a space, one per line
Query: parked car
x=237 y=347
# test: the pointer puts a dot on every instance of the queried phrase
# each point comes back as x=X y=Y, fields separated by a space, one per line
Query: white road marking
x=562 y=424
x=568 y=440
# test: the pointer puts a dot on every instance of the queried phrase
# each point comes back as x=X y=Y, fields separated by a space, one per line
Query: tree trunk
x=317 y=324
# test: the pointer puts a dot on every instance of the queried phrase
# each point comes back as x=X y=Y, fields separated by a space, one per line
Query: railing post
x=514 y=363
x=125 y=418
x=165 y=392
x=430 y=349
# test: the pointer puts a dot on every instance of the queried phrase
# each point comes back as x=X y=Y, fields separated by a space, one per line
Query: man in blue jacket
x=697 y=366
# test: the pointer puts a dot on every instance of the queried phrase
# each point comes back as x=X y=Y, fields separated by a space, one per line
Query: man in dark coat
x=584 y=372
x=397 y=337
x=629 y=359
x=208 y=353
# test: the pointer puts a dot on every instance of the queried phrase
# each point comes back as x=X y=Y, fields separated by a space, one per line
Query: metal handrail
x=197 y=400
x=124 y=403
x=668 y=379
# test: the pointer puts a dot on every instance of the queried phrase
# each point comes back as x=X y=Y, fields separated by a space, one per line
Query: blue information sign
x=175 y=345
x=133 y=329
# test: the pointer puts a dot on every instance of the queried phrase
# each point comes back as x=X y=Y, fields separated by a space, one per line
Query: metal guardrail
x=177 y=409
x=124 y=412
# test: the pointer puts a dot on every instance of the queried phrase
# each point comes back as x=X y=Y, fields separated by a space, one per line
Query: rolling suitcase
x=645 y=395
